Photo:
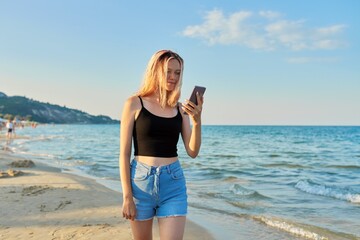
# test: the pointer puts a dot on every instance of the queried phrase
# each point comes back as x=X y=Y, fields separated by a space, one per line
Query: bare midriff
x=156 y=161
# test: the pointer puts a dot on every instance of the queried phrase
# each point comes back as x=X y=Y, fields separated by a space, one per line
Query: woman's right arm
x=126 y=128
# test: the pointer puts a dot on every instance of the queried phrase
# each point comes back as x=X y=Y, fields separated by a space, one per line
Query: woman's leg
x=142 y=230
x=172 y=228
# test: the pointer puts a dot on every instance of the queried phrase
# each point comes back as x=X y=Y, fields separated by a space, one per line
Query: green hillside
x=33 y=110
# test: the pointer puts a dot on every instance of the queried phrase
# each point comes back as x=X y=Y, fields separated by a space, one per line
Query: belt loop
x=168 y=169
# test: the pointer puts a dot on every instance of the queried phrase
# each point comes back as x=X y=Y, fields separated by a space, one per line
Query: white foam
x=45 y=155
x=239 y=190
x=322 y=190
x=290 y=228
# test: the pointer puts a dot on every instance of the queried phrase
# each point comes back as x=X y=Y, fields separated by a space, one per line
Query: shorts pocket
x=139 y=173
x=177 y=174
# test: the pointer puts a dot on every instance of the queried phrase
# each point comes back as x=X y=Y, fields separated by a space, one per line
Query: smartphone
x=200 y=90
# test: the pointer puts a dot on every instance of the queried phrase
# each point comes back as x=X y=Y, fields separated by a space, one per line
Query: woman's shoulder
x=133 y=98
x=133 y=102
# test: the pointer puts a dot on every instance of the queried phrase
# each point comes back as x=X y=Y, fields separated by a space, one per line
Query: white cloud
x=287 y=33
x=265 y=30
x=269 y=14
x=327 y=44
x=219 y=29
x=332 y=30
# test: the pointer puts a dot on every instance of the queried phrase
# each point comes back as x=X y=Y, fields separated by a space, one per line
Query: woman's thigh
x=172 y=228
x=142 y=230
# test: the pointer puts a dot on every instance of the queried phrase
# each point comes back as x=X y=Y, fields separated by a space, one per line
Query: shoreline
x=45 y=201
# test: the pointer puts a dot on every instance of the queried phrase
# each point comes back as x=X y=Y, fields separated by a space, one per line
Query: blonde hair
x=155 y=78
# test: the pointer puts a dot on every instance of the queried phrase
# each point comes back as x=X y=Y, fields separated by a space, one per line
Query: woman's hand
x=129 y=209
x=193 y=110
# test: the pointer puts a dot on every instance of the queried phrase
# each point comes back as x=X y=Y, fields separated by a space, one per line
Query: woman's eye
x=175 y=73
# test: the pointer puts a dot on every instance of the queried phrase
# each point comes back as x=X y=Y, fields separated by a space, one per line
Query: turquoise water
x=251 y=182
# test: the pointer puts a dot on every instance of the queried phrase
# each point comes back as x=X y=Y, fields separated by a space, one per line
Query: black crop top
x=156 y=136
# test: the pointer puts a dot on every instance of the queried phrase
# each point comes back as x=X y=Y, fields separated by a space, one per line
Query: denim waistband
x=159 y=169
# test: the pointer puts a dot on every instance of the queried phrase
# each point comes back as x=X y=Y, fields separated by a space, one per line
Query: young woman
x=153 y=182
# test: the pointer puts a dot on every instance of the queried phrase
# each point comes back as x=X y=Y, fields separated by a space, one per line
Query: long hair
x=155 y=78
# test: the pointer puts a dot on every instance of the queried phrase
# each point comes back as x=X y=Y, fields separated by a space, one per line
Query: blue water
x=257 y=182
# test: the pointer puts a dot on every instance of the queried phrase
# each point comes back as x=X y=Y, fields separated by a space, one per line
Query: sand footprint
x=47 y=208
x=35 y=190
x=62 y=205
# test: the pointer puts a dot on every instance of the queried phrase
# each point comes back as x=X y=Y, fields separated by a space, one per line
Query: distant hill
x=47 y=113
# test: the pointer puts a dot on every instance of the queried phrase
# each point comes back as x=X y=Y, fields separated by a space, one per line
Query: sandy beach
x=43 y=202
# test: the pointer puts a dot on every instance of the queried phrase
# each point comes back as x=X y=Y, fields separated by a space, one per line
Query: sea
x=248 y=182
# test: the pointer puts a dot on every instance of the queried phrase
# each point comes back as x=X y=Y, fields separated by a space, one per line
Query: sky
x=264 y=62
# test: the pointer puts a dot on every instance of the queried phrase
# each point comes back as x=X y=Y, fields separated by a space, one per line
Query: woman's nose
x=171 y=75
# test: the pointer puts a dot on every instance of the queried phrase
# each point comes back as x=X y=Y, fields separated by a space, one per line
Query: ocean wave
x=290 y=228
x=212 y=172
x=41 y=155
x=242 y=205
x=300 y=154
x=235 y=189
x=218 y=172
x=285 y=165
x=240 y=191
x=225 y=156
x=322 y=190
x=233 y=179
x=44 y=138
x=274 y=155
x=349 y=167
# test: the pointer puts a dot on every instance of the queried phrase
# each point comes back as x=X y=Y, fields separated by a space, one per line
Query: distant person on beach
x=9 y=127
x=153 y=182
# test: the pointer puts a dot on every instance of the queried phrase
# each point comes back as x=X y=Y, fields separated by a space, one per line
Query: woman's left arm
x=192 y=136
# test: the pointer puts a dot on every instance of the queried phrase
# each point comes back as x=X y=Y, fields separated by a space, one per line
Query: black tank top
x=156 y=136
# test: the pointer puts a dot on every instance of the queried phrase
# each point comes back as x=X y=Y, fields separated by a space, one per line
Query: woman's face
x=173 y=74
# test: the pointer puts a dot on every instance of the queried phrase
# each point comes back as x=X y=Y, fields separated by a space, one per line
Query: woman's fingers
x=191 y=109
x=129 y=216
x=129 y=212
x=187 y=107
x=200 y=99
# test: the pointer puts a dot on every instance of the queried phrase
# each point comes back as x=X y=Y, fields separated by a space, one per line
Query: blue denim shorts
x=158 y=191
